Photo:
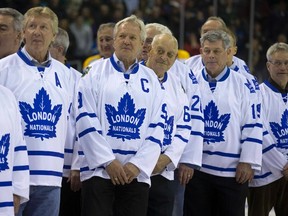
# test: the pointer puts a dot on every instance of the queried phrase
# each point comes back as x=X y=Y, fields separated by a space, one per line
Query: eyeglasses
x=279 y=63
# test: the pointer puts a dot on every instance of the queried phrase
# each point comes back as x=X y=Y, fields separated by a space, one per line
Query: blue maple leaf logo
x=249 y=86
x=281 y=131
x=214 y=125
x=192 y=77
x=168 y=126
x=124 y=123
x=4 y=149
x=42 y=119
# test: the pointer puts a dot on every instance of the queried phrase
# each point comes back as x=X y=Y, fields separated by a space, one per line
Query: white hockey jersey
x=119 y=117
x=275 y=119
x=71 y=161
x=14 y=168
x=232 y=131
x=193 y=150
x=44 y=96
x=177 y=122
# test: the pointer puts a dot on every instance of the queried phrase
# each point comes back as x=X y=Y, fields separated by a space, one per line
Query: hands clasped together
x=120 y=174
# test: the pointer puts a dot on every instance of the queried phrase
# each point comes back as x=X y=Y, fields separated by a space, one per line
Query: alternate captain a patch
x=40 y=118
x=4 y=149
x=214 y=124
x=124 y=121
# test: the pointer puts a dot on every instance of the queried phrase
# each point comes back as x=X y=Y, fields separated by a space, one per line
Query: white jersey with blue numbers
x=119 y=118
x=44 y=97
x=177 y=122
x=232 y=132
x=14 y=168
x=193 y=150
x=275 y=114
x=71 y=161
x=196 y=64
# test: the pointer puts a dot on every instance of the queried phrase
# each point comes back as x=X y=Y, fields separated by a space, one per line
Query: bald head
x=163 y=53
x=213 y=23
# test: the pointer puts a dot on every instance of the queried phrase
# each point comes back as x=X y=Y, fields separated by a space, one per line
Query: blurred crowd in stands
x=81 y=19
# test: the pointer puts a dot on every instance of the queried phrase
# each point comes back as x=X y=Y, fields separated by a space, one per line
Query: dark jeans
x=209 y=195
x=101 y=198
x=161 y=196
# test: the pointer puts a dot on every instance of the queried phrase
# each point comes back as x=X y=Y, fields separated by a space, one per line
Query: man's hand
x=131 y=171
x=74 y=179
x=185 y=173
x=16 y=200
x=285 y=171
x=162 y=162
x=244 y=173
x=117 y=173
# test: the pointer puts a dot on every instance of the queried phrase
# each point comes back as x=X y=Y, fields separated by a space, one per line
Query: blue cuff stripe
x=88 y=130
x=181 y=138
x=81 y=115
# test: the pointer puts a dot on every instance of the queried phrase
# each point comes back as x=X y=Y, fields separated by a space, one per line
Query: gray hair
x=17 y=17
x=106 y=25
x=159 y=27
x=62 y=39
x=216 y=35
x=133 y=19
x=276 y=47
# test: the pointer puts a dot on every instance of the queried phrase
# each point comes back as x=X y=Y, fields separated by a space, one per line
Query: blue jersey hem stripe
x=46 y=153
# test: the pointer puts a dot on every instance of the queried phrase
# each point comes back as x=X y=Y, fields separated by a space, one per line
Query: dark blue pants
x=70 y=203
x=101 y=198
x=209 y=195
x=161 y=196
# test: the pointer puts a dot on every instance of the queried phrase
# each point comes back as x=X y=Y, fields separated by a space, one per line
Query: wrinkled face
x=214 y=57
x=127 y=42
x=162 y=55
x=151 y=32
x=105 y=42
x=38 y=34
x=278 y=68
x=210 y=25
x=9 y=38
